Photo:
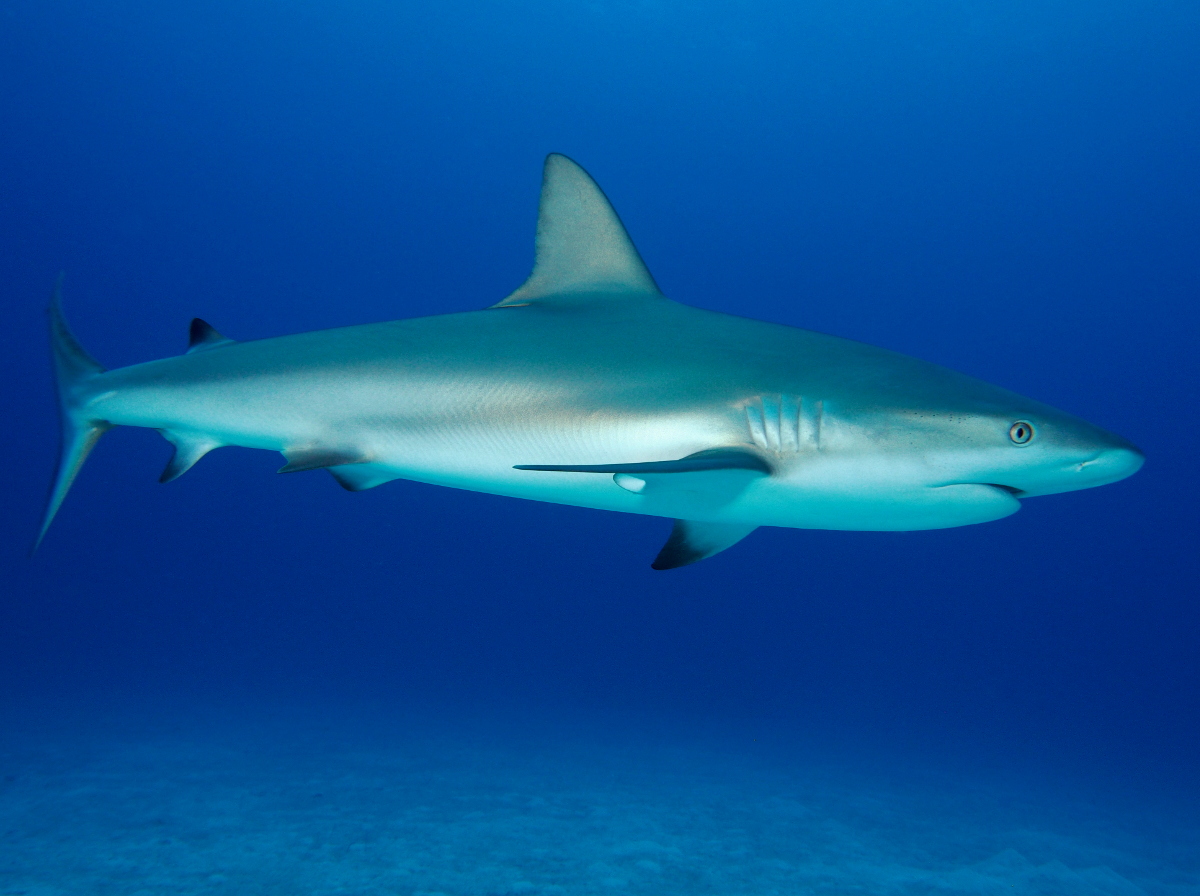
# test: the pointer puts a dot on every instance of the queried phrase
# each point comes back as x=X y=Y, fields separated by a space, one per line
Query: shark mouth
x=1000 y=487
x=1015 y=492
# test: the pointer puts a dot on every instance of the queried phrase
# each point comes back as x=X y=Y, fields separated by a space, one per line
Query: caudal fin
x=73 y=369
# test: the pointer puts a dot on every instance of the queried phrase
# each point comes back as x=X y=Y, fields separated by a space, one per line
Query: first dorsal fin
x=202 y=335
x=581 y=246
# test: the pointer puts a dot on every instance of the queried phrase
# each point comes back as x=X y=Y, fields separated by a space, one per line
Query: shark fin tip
x=692 y=541
x=202 y=336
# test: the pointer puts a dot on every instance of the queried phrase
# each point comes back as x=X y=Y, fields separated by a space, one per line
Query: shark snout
x=1102 y=461
x=1111 y=465
x=1107 y=458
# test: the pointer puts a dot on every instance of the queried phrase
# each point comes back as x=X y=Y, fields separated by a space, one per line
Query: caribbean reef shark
x=588 y=386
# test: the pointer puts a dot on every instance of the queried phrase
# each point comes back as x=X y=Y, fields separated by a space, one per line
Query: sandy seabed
x=221 y=808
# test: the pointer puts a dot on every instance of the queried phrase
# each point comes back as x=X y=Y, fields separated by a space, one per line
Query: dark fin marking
x=301 y=459
x=73 y=367
x=691 y=541
x=361 y=477
x=188 y=450
x=713 y=459
x=202 y=336
x=77 y=444
x=581 y=249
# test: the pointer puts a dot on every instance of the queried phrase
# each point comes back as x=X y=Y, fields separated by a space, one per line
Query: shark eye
x=1021 y=432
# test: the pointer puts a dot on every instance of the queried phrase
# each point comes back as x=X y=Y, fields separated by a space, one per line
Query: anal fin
x=188 y=449
x=691 y=541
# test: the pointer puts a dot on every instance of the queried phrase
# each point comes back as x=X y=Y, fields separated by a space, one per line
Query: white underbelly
x=462 y=448
x=808 y=501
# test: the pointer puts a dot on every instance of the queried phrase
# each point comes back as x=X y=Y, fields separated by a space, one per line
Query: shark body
x=587 y=386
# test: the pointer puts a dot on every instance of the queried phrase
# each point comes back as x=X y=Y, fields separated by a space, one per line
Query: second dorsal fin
x=581 y=246
x=202 y=335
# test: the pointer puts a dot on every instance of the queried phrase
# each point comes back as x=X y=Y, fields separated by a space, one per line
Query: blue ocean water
x=240 y=682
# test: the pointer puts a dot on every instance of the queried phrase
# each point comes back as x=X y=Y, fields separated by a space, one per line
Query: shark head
x=1030 y=449
x=953 y=449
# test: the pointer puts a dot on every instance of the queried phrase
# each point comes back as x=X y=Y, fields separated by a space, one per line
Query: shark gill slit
x=773 y=424
x=778 y=423
x=754 y=421
x=789 y=415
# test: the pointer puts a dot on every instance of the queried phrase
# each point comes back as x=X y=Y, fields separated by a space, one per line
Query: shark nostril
x=1012 y=490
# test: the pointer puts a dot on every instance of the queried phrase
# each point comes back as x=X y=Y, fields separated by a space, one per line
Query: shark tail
x=74 y=369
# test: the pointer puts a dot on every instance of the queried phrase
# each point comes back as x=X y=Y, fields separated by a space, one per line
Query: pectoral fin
x=691 y=541
x=698 y=484
x=701 y=461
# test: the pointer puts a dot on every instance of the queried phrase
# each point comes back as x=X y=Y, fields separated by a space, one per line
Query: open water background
x=493 y=696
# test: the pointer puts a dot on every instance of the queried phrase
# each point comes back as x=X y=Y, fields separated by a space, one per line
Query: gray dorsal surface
x=581 y=247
